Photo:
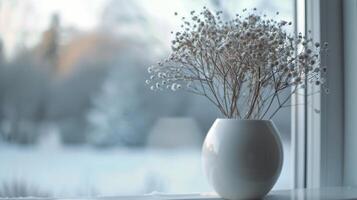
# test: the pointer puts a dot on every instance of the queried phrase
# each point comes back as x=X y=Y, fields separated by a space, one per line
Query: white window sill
x=333 y=193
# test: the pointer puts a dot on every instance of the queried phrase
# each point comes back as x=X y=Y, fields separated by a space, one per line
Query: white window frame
x=350 y=71
x=298 y=133
x=318 y=131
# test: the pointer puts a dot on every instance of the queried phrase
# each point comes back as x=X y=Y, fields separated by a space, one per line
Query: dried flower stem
x=242 y=66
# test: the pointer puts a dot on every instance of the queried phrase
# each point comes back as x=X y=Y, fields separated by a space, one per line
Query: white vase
x=242 y=159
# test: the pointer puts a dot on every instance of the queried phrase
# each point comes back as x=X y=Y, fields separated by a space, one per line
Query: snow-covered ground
x=84 y=171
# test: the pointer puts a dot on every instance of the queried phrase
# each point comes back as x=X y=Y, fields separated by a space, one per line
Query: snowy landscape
x=76 y=117
x=87 y=172
x=83 y=171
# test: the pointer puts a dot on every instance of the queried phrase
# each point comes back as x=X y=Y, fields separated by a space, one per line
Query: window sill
x=338 y=193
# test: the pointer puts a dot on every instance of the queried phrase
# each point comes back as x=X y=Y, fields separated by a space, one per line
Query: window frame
x=318 y=131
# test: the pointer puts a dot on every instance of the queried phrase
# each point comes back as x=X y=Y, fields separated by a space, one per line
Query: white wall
x=350 y=92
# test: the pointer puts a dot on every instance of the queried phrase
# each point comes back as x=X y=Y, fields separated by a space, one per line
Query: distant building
x=92 y=47
x=171 y=133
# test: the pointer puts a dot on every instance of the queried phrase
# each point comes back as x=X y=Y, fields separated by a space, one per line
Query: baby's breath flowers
x=242 y=66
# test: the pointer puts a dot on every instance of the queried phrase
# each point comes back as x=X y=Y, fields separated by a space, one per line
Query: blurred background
x=76 y=118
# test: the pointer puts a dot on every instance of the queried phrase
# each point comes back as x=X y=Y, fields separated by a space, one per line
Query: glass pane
x=76 y=118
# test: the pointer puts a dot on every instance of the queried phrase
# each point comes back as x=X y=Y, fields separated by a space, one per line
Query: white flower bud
x=173 y=87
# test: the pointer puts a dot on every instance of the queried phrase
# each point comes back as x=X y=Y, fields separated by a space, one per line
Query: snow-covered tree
x=119 y=115
x=22 y=99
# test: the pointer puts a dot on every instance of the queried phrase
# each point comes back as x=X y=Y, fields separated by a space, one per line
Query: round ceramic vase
x=242 y=159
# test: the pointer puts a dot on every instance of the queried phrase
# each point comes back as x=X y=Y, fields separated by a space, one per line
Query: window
x=76 y=117
x=350 y=31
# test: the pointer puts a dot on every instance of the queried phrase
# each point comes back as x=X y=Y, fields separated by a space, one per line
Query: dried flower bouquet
x=242 y=66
